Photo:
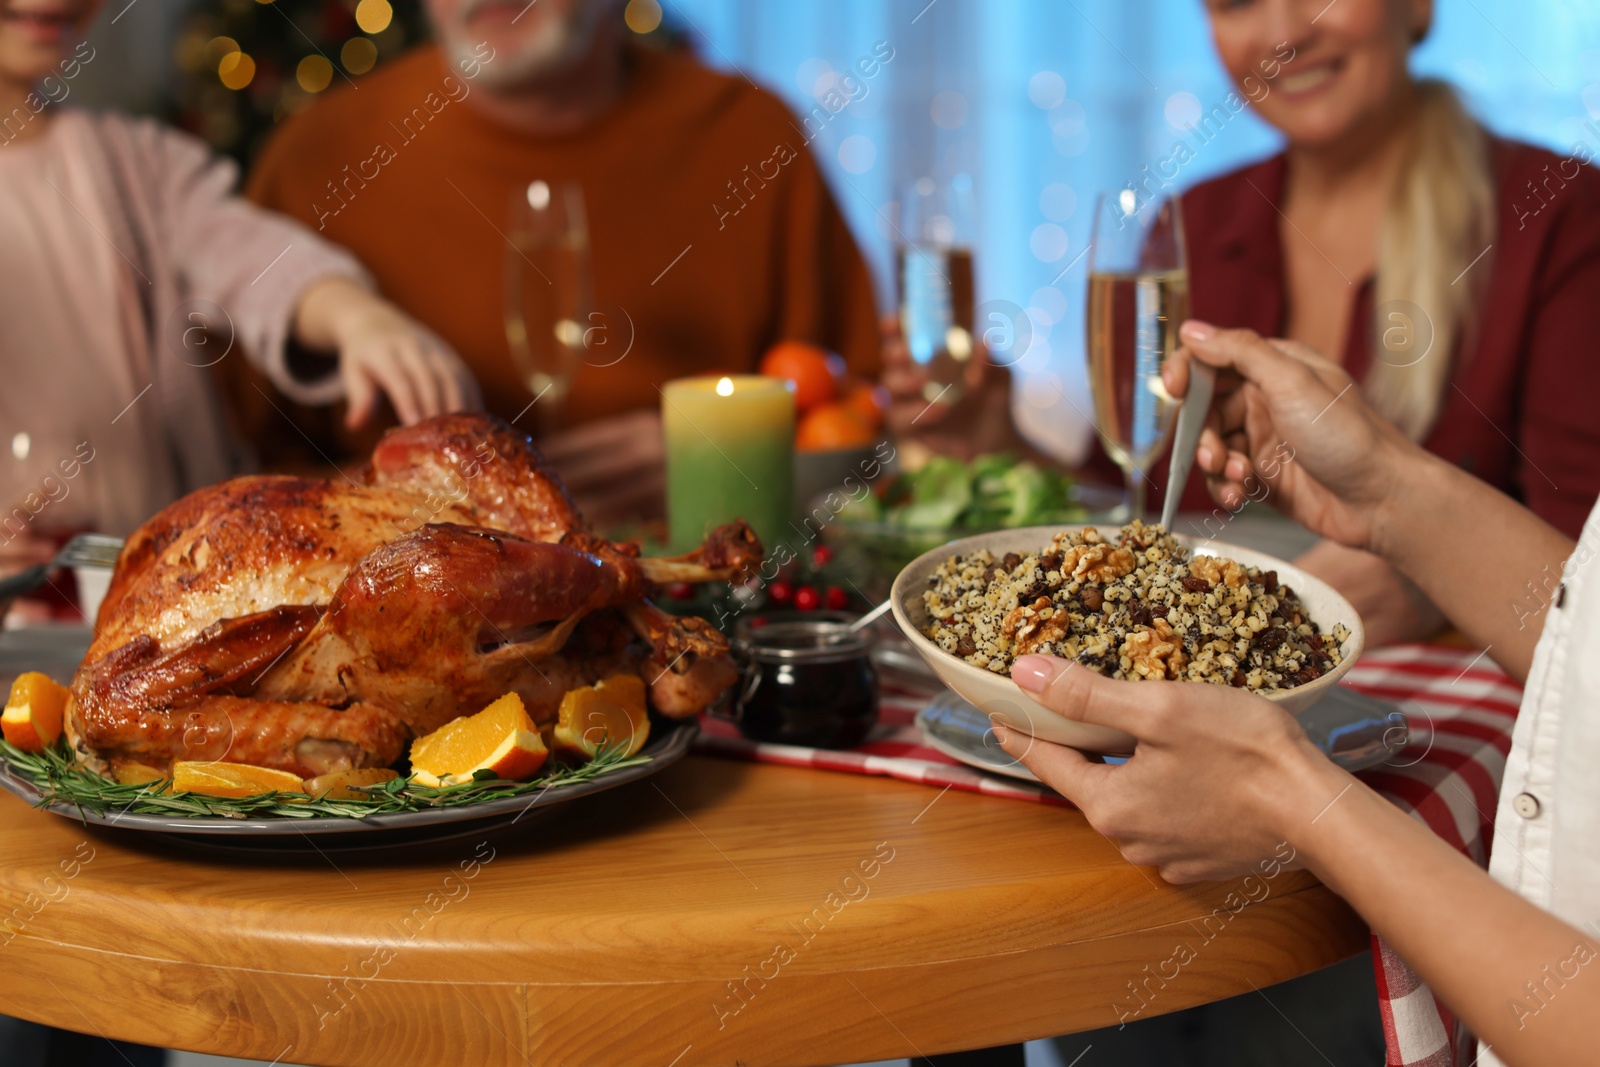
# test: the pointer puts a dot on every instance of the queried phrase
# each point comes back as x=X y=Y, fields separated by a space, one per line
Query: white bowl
x=1005 y=702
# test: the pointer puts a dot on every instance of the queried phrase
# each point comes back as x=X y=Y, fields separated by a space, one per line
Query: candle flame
x=724 y=386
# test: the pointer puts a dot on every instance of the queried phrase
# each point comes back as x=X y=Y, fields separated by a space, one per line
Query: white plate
x=998 y=696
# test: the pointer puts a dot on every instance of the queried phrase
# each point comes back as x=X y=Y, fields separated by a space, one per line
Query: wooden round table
x=719 y=913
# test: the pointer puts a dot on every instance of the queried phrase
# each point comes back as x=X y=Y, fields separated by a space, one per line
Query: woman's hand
x=1291 y=418
x=382 y=349
x=1217 y=781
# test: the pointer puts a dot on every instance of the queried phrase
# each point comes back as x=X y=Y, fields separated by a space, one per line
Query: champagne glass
x=1138 y=297
x=934 y=278
x=548 y=290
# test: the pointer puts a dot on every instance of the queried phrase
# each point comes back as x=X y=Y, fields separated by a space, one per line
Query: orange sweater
x=709 y=222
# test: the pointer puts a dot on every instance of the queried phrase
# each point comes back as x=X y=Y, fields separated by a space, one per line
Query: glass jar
x=807 y=680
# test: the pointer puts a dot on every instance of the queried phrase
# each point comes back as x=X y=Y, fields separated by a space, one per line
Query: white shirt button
x=1525 y=805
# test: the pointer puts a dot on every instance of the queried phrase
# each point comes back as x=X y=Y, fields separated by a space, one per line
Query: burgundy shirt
x=1522 y=410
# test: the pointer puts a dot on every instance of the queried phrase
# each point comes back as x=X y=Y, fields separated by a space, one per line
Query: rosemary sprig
x=60 y=779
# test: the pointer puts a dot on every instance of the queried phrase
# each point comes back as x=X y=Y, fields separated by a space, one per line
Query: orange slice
x=132 y=772
x=605 y=715
x=500 y=738
x=32 y=716
x=343 y=785
x=216 y=778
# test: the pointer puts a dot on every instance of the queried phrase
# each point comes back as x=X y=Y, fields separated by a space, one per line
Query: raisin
x=1238 y=680
x=1160 y=611
x=1309 y=674
x=1316 y=642
x=1139 y=614
x=1051 y=562
x=1011 y=560
x=1093 y=597
x=1195 y=584
x=1270 y=638
x=965 y=647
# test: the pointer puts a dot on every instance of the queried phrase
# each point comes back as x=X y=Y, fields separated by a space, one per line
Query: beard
x=554 y=44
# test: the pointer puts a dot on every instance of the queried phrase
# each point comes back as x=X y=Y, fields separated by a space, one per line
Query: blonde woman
x=1452 y=273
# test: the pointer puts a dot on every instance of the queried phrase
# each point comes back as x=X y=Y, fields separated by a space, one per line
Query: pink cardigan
x=119 y=238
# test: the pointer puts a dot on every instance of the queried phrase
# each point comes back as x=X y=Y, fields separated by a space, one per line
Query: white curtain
x=1048 y=102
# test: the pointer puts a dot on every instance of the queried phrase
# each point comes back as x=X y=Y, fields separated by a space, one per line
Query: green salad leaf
x=993 y=490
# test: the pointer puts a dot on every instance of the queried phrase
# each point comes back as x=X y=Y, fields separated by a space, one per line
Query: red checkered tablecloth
x=1459 y=706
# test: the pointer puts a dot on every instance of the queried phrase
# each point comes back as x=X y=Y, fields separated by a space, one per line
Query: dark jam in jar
x=807 y=681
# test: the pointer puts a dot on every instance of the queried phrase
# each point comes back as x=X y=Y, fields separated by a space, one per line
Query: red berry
x=806 y=598
x=836 y=599
x=821 y=555
x=780 y=592
x=680 y=590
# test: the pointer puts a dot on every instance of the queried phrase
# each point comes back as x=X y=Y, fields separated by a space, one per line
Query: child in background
x=128 y=269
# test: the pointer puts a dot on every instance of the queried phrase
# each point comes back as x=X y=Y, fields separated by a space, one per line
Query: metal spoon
x=868 y=619
x=1191 y=420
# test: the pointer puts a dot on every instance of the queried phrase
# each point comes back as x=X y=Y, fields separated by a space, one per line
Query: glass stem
x=1136 y=484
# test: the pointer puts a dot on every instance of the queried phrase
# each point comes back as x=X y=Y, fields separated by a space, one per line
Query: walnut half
x=1153 y=652
x=1216 y=570
x=1097 y=563
x=1033 y=626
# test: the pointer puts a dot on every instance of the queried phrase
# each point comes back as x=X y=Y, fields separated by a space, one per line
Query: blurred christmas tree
x=249 y=63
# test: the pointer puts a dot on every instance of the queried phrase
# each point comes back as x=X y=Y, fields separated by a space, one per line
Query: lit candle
x=730 y=455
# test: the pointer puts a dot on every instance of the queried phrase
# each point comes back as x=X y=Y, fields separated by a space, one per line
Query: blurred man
x=712 y=234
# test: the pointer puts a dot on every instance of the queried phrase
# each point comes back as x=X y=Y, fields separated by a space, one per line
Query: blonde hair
x=1439 y=218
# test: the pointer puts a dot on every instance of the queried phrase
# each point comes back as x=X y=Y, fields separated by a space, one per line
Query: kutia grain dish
x=1139 y=606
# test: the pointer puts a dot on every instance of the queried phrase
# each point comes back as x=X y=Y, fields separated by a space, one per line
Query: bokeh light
x=1047 y=89
x=220 y=48
x=1057 y=202
x=313 y=74
x=1048 y=242
x=374 y=16
x=358 y=55
x=1182 y=111
x=857 y=154
x=642 y=16
x=236 y=70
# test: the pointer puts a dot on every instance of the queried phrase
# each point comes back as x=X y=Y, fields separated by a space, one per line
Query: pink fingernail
x=1033 y=673
x=1195 y=330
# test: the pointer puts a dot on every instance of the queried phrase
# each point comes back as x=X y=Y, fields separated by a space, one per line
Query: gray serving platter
x=1354 y=730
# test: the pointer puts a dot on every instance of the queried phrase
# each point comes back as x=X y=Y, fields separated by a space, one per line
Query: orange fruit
x=869 y=402
x=216 y=778
x=132 y=772
x=829 y=427
x=342 y=785
x=500 y=738
x=602 y=716
x=32 y=716
x=806 y=367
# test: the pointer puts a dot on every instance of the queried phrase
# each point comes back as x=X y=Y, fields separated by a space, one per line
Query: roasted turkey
x=313 y=625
